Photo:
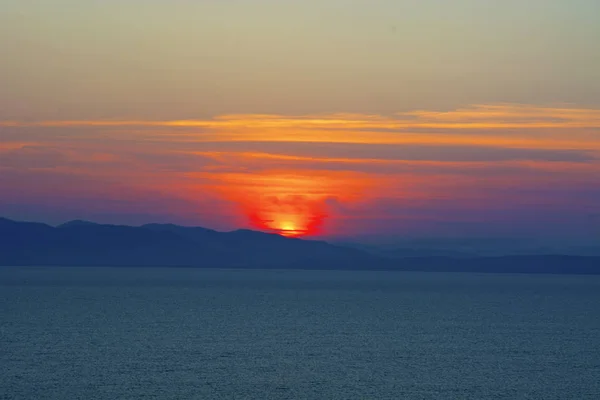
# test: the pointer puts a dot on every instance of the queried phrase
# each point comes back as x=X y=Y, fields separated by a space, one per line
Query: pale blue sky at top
x=187 y=59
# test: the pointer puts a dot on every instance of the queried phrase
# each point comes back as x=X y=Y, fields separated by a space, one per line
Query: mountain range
x=83 y=243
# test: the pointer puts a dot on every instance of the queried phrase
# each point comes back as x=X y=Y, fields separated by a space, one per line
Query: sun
x=288 y=216
x=289 y=229
x=288 y=226
x=288 y=203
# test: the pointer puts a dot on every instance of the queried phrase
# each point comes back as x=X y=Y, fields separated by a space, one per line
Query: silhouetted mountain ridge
x=86 y=244
x=404 y=252
x=76 y=222
x=83 y=243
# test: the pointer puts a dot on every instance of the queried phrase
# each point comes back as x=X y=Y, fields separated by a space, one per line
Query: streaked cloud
x=499 y=116
x=318 y=173
x=482 y=125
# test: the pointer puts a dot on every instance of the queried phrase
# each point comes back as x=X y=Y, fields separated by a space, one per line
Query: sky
x=310 y=118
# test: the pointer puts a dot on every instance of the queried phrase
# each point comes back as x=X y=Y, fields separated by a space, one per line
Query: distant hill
x=82 y=243
x=405 y=252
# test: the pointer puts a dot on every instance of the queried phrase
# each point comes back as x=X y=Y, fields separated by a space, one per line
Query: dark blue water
x=68 y=333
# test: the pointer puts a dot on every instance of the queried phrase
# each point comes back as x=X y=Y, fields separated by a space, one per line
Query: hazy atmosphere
x=300 y=199
x=330 y=117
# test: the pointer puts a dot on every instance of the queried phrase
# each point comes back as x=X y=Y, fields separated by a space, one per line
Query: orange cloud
x=295 y=175
x=481 y=125
x=475 y=117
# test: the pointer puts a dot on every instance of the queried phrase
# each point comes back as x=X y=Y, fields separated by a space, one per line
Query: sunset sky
x=323 y=118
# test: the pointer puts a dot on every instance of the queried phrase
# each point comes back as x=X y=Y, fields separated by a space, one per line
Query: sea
x=167 y=333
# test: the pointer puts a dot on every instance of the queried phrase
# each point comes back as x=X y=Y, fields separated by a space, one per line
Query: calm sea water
x=90 y=333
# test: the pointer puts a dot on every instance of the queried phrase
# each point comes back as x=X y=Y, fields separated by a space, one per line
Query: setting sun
x=287 y=222
x=290 y=203
x=289 y=229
